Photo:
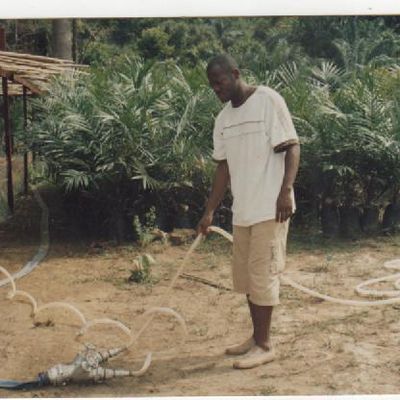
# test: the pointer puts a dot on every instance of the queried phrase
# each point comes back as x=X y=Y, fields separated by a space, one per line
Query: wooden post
x=2 y=38
x=26 y=131
x=7 y=133
x=7 y=140
x=32 y=120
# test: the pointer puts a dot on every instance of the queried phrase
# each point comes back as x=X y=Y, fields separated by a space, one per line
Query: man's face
x=222 y=82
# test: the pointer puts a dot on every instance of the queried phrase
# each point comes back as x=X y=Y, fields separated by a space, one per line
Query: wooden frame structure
x=23 y=75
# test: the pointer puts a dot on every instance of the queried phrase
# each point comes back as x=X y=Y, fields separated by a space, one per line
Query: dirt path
x=322 y=348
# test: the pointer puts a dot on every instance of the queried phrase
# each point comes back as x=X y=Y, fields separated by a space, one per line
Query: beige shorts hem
x=258 y=260
x=259 y=301
x=264 y=301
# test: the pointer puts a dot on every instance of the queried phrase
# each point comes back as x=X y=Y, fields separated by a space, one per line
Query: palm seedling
x=119 y=137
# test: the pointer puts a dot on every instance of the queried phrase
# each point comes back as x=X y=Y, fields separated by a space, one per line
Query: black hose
x=42 y=380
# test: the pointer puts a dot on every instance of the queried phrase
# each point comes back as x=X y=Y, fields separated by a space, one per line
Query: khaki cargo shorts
x=259 y=253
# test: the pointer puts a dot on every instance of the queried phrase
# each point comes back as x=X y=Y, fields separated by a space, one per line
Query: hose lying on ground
x=44 y=242
x=86 y=324
x=393 y=264
x=44 y=246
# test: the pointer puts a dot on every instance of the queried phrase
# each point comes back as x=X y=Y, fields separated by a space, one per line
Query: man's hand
x=284 y=205
x=220 y=183
x=205 y=222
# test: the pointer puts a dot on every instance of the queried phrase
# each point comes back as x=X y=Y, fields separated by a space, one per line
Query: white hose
x=170 y=286
x=86 y=324
x=44 y=242
x=105 y=321
x=44 y=247
x=26 y=295
x=168 y=311
x=9 y=280
x=61 y=304
x=361 y=303
x=392 y=264
x=144 y=368
x=395 y=294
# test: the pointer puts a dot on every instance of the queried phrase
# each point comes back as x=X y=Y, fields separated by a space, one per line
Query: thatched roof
x=33 y=72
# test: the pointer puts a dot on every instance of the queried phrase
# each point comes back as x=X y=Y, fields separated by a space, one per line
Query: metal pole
x=7 y=140
x=26 y=132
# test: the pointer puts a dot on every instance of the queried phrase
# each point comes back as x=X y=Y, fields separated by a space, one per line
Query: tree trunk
x=16 y=35
x=62 y=39
x=74 y=40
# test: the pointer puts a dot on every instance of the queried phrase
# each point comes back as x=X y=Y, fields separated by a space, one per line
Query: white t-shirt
x=246 y=137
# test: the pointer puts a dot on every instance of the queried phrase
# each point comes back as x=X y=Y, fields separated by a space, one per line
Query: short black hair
x=225 y=61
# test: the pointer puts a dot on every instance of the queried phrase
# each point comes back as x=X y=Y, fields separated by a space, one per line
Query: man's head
x=224 y=76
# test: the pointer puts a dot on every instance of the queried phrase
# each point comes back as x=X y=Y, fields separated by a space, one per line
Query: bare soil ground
x=323 y=348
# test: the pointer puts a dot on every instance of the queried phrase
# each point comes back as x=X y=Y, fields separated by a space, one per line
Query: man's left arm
x=284 y=204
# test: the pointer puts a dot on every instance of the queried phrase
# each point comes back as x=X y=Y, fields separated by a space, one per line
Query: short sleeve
x=219 y=152
x=280 y=125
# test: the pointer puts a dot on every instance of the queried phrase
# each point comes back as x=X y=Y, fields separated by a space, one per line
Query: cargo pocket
x=277 y=264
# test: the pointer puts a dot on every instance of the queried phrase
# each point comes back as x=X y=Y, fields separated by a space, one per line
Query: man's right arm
x=219 y=186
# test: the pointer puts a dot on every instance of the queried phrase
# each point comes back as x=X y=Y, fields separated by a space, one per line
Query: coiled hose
x=393 y=294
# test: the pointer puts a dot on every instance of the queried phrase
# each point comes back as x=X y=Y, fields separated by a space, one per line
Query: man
x=257 y=151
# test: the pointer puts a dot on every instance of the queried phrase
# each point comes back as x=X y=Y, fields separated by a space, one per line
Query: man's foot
x=255 y=357
x=242 y=348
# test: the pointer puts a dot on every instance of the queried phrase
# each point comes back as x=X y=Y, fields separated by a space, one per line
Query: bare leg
x=261 y=317
x=262 y=352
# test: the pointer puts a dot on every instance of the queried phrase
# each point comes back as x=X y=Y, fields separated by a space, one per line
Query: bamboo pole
x=33 y=87
x=6 y=57
x=33 y=57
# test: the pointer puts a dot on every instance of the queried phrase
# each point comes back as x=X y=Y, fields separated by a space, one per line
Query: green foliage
x=27 y=36
x=142 y=273
x=349 y=136
x=143 y=231
x=135 y=134
x=121 y=133
x=154 y=41
x=136 y=124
